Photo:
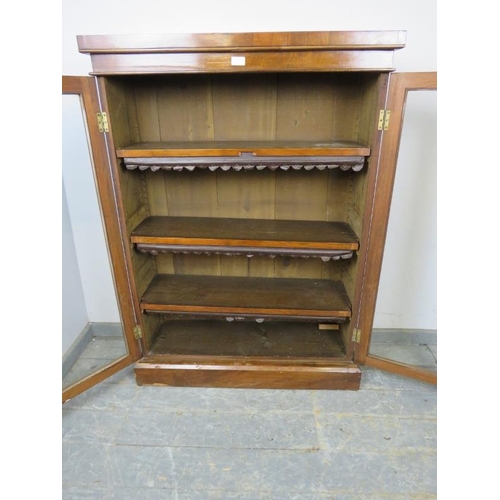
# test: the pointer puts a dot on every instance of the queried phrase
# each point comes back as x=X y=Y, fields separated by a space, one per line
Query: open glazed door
x=394 y=358
x=99 y=326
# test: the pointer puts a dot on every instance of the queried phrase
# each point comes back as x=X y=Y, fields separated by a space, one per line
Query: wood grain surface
x=247 y=338
x=235 y=148
x=281 y=41
x=199 y=231
x=228 y=296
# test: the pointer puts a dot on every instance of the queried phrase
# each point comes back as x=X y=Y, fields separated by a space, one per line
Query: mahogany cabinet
x=245 y=183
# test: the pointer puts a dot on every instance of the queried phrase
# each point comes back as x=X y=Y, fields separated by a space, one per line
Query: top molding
x=265 y=41
x=264 y=51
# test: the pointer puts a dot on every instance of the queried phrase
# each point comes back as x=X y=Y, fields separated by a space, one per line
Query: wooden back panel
x=225 y=107
x=301 y=106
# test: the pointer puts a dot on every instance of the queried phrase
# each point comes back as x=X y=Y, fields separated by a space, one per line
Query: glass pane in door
x=92 y=332
x=405 y=322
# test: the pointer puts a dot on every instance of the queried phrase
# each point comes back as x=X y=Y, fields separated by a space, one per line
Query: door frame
x=399 y=86
x=85 y=87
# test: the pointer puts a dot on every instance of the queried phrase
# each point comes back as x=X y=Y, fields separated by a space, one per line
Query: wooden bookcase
x=244 y=171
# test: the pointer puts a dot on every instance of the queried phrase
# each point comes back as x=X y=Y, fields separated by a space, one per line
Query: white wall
x=74 y=311
x=407 y=295
x=407 y=298
x=85 y=219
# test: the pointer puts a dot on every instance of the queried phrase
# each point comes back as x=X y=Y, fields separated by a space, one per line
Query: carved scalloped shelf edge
x=177 y=164
x=324 y=255
x=259 y=318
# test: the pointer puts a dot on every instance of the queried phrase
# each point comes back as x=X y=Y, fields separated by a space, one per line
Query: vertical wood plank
x=250 y=195
x=261 y=267
x=246 y=194
x=304 y=112
x=185 y=114
x=157 y=196
x=156 y=191
x=185 y=108
x=355 y=115
x=197 y=264
x=234 y=265
x=146 y=104
x=369 y=88
x=165 y=263
x=151 y=324
x=300 y=195
x=357 y=202
x=118 y=102
x=122 y=113
x=338 y=195
x=244 y=107
x=347 y=103
x=134 y=198
x=356 y=275
x=193 y=194
x=144 y=269
x=338 y=200
x=304 y=107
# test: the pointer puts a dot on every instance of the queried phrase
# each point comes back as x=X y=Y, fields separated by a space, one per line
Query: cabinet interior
x=268 y=108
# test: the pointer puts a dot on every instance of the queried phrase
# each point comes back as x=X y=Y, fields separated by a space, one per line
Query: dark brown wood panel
x=251 y=195
x=85 y=89
x=157 y=200
x=233 y=296
x=124 y=224
x=192 y=196
x=189 y=195
x=200 y=231
x=240 y=373
x=146 y=108
x=185 y=108
x=151 y=323
x=400 y=85
x=362 y=201
x=247 y=338
x=135 y=198
x=300 y=195
x=304 y=108
x=243 y=62
x=122 y=109
x=350 y=94
x=282 y=41
x=235 y=148
x=244 y=107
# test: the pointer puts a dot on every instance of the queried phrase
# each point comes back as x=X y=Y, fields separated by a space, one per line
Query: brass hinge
x=356 y=335
x=137 y=332
x=383 y=119
x=102 y=122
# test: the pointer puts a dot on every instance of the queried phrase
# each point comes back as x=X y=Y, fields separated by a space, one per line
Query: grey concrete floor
x=121 y=441
x=103 y=344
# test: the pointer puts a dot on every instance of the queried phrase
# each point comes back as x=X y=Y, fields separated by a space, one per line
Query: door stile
x=86 y=89
x=114 y=167
x=399 y=86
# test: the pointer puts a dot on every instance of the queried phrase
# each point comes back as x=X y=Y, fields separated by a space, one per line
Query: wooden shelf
x=243 y=372
x=246 y=155
x=281 y=355
x=231 y=236
x=242 y=297
x=235 y=148
x=249 y=339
